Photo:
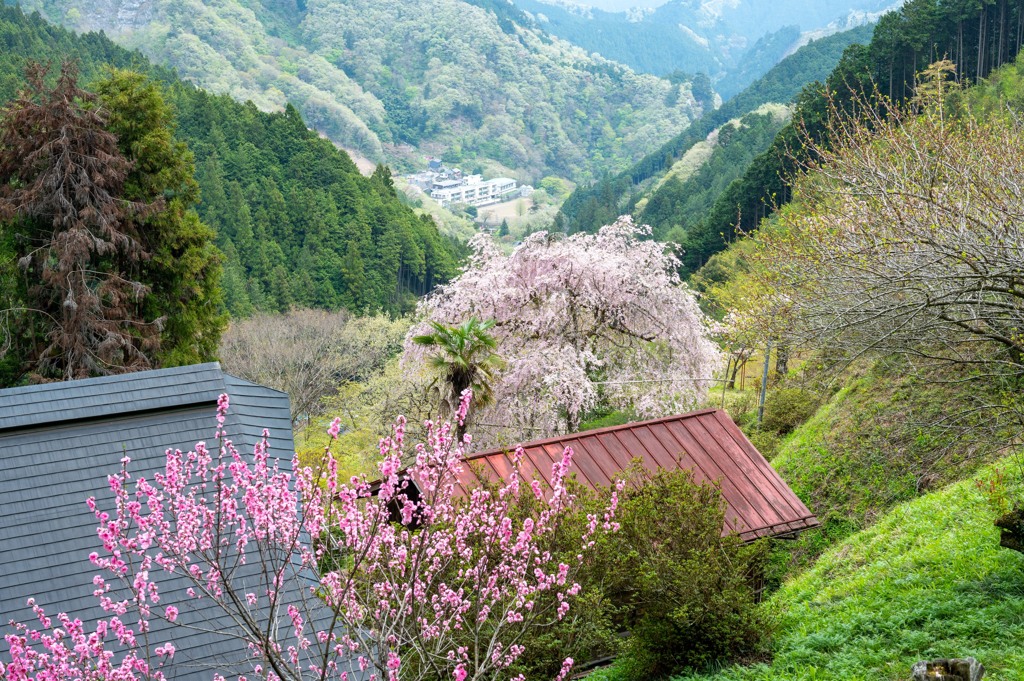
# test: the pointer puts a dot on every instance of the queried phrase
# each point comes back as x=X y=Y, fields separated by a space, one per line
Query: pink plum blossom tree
x=579 y=319
x=316 y=575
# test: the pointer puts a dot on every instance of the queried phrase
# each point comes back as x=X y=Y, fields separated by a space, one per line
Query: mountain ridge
x=589 y=207
x=296 y=221
x=394 y=81
x=726 y=40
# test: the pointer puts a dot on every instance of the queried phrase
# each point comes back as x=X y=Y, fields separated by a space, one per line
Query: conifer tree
x=72 y=228
x=115 y=270
x=184 y=271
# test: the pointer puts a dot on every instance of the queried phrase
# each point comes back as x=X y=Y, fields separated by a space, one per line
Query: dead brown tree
x=61 y=182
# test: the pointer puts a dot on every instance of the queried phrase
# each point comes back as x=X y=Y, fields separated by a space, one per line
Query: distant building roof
x=758 y=501
x=58 y=443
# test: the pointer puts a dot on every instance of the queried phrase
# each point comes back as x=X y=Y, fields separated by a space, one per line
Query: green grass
x=927 y=580
x=878 y=441
x=875 y=443
x=907 y=565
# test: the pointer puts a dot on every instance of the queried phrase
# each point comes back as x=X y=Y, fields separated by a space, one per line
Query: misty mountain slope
x=223 y=46
x=590 y=207
x=657 y=47
x=391 y=80
x=734 y=41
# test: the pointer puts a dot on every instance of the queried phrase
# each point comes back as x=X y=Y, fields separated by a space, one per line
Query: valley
x=733 y=43
x=635 y=340
x=396 y=79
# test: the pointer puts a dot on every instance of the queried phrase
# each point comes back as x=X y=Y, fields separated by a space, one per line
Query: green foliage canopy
x=297 y=223
x=184 y=268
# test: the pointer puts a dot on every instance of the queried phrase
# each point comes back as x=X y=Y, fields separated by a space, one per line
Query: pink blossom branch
x=315 y=578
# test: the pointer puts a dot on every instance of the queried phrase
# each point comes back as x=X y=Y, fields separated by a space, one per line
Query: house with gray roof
x=58 y=443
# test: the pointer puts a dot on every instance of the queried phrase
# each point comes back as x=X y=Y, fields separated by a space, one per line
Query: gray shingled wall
x=58 y=443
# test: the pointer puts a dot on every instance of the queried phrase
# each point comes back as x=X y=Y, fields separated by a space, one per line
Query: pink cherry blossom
x=577 y=318
x=337 y=586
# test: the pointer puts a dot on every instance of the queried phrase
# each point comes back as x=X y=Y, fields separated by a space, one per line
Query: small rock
x=965 y=669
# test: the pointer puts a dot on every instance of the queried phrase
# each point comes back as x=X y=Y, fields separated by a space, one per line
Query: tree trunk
x=981 y=41
x=781 y=362
x=736 y=366
x=764 y=384
x=1002 y=32
x=960 y=51
x=1020 y=26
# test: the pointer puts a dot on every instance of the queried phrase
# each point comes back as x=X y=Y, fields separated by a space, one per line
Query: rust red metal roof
x=758 y=502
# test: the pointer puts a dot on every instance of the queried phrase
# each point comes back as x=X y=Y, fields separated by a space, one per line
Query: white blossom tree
x=909 y=240
x=579 y=320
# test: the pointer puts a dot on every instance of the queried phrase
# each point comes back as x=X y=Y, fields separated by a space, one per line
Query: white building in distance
x=473 y=190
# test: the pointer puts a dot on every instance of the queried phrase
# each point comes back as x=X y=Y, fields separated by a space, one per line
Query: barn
x=708 y=443
x=58 y=443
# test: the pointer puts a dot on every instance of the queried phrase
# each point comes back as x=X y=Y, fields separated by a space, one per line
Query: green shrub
x=742 y=407
x=682 y=591
x=787 y=408
x=766 y=441
x=686 y=589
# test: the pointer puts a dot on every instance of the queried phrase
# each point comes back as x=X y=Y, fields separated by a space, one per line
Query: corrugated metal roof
x=58 y=443
x=758 y=501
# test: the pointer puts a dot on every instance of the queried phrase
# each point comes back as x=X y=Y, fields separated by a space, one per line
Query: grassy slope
x=887 y=436
x=701 y=152
x=875 y=442
x=927 y=580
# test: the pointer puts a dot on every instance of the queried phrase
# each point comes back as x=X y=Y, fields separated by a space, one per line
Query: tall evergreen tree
x=73 y=230
x=184 y=269
x=246 y=161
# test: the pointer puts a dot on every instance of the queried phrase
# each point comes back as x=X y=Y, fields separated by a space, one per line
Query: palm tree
x=465 y=358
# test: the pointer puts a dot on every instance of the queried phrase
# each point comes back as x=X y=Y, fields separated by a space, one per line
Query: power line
x=662 y=380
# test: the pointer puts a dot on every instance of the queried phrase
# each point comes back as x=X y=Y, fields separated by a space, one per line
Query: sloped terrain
x=733 y=42
x=591 y=206
x=472 y=81
x=928 y=580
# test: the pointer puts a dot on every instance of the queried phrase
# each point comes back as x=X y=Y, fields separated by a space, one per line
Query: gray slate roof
x=58 y=443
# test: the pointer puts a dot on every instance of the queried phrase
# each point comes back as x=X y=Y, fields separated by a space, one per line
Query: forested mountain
x=590 y=207
x=472 y=81
x=733 y=42
x=693 y=184
x=296 y=221
x=976 y=37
